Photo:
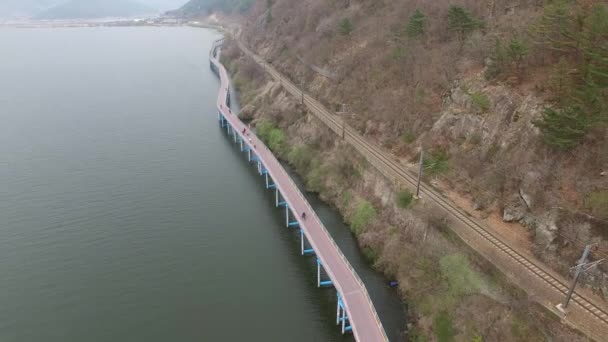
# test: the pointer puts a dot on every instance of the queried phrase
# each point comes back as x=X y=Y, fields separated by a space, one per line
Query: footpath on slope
x=587 y=312
x=362 y=315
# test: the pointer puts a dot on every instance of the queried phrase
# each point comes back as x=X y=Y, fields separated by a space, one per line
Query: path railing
x=220 y=70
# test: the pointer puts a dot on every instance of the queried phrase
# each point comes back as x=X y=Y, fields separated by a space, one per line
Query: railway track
x=394 y=171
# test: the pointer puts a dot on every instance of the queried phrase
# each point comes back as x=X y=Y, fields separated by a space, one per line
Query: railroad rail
x=392 y=170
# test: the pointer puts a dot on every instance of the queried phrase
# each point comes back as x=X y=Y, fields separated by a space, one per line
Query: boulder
x=515 y=209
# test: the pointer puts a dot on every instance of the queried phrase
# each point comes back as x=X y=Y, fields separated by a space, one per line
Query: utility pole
x=302 y=89
x=582 y=263
x=420 y=172
x=343 y=120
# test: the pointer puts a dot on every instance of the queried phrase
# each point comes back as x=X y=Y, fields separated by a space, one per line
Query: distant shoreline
x=154 y=22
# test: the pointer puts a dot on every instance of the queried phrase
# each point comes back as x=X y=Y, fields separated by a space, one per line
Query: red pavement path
x=363 y=318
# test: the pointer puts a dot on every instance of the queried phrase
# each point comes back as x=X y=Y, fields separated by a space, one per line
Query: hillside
x=508 y=99
x=88 y=9
x=24 y=8
x=195 y=8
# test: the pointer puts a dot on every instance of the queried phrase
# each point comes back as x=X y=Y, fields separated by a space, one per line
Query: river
x=127 y=215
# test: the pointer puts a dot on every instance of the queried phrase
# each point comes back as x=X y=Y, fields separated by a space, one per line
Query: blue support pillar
x=341 y=315
x=338 y=309
x=276 y=197
x=318 y=272
x=319 y=281
x=303 y=248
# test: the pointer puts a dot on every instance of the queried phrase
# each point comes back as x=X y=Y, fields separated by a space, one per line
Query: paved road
x=364 y=320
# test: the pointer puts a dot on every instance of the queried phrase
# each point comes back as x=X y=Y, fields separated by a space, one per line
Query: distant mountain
x=88 y=9
x=163 y=5
x=203 y=7
x=10 y=9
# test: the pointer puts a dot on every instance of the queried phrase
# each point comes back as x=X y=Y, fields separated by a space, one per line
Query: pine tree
x=346 y=27
x=563 y=128
x=415 y=27
x=594 y=42
x=516 y=51
x=560 y=82
x=556 y=27
x=460 y=20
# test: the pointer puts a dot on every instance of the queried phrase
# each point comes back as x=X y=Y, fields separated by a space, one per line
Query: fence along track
x=392 y=171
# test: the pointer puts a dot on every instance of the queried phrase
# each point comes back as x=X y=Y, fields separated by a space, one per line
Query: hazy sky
x=26 y=8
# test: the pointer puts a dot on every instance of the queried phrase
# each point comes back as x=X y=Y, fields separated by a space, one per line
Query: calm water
x=125 y=212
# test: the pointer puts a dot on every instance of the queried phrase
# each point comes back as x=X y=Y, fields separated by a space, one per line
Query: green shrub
x=404 y=199
x=300 y=157
x=436 y=163
x=415 y=27
x=460 y=279
x=347 y=196
x=461 y=21
x=364 y=213
x=273 y=136
x=597 y=202
x=345 y=27
x=408 y=137
x=416 y=335
x=315 y=178
x=481 y=102
x=278 y=142
x=370 y=254
x=443 y=328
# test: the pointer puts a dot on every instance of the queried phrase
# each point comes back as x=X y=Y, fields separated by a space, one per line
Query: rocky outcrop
x=546 y=231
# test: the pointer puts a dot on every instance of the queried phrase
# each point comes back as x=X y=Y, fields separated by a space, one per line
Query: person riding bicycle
x=304 y=215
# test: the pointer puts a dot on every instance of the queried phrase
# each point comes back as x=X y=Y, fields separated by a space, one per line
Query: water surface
x=125 y=212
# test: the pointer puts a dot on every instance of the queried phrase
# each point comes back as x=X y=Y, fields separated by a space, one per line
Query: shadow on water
x=388 y=304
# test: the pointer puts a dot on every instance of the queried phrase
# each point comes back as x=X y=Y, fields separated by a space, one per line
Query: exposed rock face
x=547 y=231
x=497 y=157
